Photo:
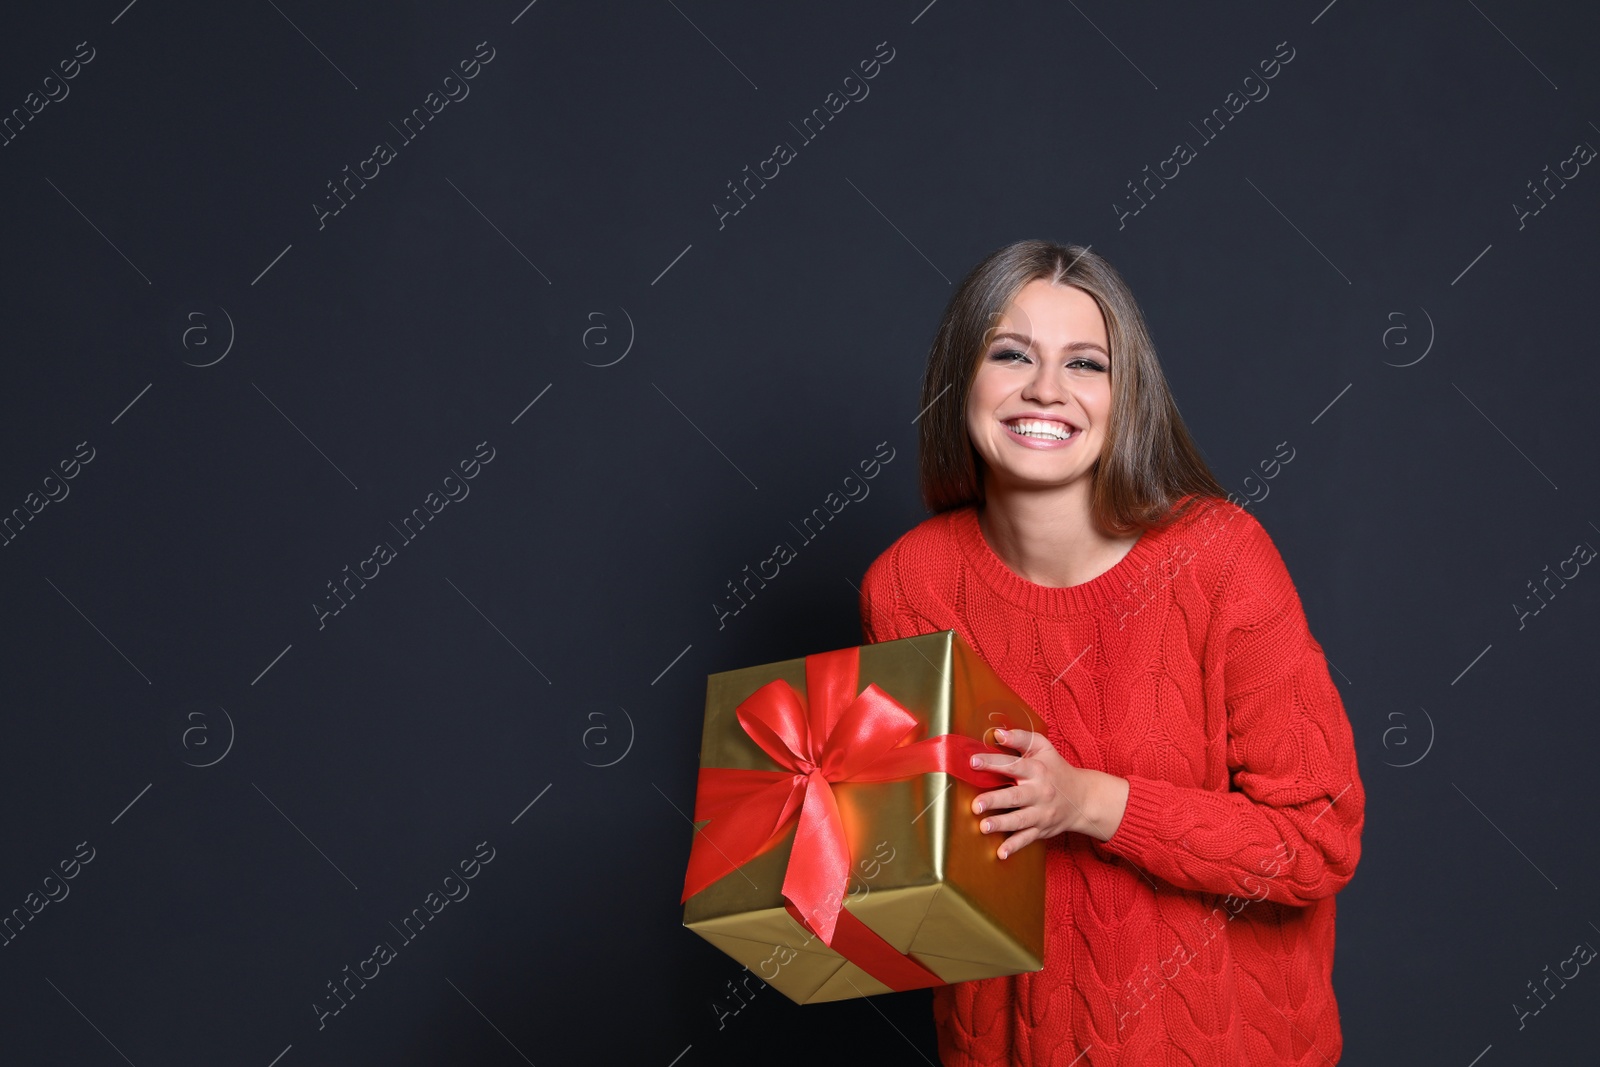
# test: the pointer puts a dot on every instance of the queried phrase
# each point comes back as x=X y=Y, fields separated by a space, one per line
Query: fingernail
x=1002 y=853
x=1000 y=735
x=976 y=762
x=977 y=807
x=985 y=826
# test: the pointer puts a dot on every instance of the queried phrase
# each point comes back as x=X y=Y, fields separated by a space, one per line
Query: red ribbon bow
x=843 y=736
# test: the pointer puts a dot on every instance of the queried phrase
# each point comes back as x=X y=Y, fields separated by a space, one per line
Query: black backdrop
x=225 y=383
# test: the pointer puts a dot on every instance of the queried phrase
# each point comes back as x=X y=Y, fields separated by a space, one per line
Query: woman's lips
x=1035 y=434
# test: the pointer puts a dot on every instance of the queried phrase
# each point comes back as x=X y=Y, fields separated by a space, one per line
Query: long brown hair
x=1149 y=462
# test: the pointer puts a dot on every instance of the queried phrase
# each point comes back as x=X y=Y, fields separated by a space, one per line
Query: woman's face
x=1038 y=408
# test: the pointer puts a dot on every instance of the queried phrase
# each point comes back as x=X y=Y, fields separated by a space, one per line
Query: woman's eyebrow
x=1075 y=346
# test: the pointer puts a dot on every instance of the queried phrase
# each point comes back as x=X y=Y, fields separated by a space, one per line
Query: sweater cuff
x=1141 y=821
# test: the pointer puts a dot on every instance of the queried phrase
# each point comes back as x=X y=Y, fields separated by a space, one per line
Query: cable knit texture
x=1201 y=933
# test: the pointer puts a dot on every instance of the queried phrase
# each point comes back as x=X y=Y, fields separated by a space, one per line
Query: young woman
x=1191 y=772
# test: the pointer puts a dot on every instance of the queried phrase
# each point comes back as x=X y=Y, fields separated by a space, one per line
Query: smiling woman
x=1188 y=750
x=1038 y=408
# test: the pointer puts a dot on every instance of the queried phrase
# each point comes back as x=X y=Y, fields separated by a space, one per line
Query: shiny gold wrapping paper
x=922 y=875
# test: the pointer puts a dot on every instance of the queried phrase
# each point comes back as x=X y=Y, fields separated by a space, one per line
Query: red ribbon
x=842 y=736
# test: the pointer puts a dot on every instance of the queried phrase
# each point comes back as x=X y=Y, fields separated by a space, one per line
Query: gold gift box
x=923 y=876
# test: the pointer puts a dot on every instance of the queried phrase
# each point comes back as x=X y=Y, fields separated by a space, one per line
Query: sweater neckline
x=1096 y=593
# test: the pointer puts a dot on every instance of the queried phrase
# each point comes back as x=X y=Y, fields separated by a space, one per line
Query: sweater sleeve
x=883 y=615
x=1289 y=827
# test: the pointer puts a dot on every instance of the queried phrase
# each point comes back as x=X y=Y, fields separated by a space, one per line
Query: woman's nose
x=1043 y=384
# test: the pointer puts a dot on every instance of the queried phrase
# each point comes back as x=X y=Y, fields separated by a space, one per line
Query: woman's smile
x=1042 y=433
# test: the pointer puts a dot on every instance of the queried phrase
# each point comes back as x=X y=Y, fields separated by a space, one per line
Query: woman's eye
x=1011 y=355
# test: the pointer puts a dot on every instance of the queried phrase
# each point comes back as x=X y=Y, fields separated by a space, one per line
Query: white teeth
x=1054 y=431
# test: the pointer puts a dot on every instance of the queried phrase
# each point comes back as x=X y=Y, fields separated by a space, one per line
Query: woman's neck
x=1049 y=537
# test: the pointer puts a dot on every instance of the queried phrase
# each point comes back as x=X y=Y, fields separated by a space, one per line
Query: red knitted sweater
x=1202 y=932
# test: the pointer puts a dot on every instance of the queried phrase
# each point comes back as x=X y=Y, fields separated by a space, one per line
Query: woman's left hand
x=1051 y=796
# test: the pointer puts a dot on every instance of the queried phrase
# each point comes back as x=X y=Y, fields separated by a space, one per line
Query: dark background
x=560 y=618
